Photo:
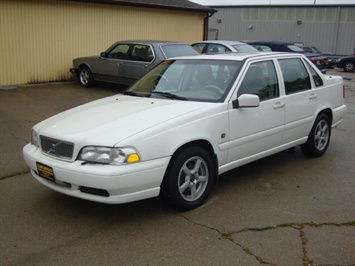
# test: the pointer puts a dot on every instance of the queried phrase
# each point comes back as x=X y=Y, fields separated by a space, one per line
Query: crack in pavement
x=297 y=226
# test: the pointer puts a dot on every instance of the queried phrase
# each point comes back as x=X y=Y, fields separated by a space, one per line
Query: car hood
x=80 y=60
x=110 y=120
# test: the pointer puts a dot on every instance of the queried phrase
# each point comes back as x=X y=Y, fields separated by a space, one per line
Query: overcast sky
x=271 y=2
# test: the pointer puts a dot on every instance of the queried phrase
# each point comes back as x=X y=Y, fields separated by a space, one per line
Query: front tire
x=319 y=137
x=189 y=178
x=85 y=77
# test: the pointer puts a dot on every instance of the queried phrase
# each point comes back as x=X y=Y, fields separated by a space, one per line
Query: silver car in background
x=125 y=62
x=220 y=46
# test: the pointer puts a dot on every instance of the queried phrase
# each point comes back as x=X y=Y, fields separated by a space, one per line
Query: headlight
x=106 y=155
x=35 y=138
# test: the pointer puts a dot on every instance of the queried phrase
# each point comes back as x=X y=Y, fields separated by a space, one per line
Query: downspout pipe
x=337 y=22
x=205 y=25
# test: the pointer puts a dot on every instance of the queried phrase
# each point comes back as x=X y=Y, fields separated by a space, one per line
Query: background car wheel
x=85 y=77
x=189 y=178
x=349 y=67
x=319 y=137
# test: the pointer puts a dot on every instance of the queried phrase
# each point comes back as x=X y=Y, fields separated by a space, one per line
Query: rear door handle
x=313 y=96
x=279 y=105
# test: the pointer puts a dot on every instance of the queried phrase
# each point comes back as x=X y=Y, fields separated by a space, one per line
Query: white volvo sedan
x=187 y=121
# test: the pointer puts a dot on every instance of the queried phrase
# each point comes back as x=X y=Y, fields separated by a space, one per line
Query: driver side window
x=119 y=52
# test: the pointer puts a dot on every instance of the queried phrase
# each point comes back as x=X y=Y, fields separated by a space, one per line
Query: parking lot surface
x=282 y=210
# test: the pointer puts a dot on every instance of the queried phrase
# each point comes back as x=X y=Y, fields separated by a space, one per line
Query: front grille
x=56 y=147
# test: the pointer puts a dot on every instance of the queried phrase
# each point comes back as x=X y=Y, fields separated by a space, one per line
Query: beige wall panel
x=39 y=39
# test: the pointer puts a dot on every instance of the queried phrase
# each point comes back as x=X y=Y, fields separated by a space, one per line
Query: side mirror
x=103 y=54
x=246 y=101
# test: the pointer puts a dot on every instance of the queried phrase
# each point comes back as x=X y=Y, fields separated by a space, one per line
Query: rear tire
x=189 y=178
x=85 y=77
x=319 y=137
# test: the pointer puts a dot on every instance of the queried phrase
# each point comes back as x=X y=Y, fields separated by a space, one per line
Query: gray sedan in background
x=220 y=46
x=125 y=62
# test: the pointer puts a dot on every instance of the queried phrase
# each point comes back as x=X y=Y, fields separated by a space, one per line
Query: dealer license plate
x=45 y=171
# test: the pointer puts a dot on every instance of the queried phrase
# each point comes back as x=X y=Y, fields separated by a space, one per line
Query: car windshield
x=244 y=48
x=188 y=79
x=173 y=50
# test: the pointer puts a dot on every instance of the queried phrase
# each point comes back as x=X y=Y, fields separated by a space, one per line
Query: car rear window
x=295 y=48
x=244 y=48
x=178 y=50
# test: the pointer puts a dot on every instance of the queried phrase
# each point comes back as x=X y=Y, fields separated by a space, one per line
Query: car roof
x=220 y=42
x=272 y=42
x=239 y=56
x=157 y=42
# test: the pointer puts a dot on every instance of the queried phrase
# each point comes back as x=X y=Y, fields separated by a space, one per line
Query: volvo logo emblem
x=53 y=146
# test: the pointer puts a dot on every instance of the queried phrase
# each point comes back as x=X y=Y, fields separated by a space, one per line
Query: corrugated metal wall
x=40 y=38
x=331 y=29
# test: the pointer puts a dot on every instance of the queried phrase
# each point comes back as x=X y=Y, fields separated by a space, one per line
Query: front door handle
x=279 y=105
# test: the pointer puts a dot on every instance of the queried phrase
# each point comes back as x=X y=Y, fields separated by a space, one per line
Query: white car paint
x=158 y=127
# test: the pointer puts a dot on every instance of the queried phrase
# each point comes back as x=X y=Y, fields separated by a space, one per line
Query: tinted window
x=141 y=53
x=295 y=75
x=178 y=50
x=260 y=79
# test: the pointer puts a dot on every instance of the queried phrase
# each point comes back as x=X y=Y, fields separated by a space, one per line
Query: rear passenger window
x=295 y=75
x=262 y=48
x=216 y=48
x=316 y=78
x=260 y=79
x=141 y=53
x=199 y=47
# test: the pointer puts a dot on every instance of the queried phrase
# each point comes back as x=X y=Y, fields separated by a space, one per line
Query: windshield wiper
x=169 y=95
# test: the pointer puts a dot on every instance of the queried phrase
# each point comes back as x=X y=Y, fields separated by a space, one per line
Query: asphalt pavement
x=282 y=210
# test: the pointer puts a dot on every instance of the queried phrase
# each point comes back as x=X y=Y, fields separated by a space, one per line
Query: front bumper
x=74 y=72
x=100 y=183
